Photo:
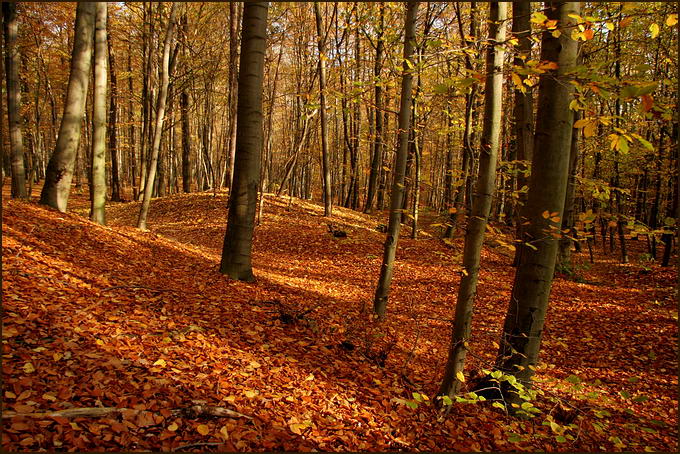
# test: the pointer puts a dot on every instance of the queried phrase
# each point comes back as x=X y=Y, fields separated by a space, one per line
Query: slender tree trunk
x=57 y=186
x=160 y=117
x=521 y=338
x=132 y=142
x=325 y=170
x=238 y=241
x=12 y=62
x=98 y=179
x=523 y=108
x=396 y=202
x=113 y=132
x=377 y=158
x=234 y=13
x=568 y=230
x=481 y=205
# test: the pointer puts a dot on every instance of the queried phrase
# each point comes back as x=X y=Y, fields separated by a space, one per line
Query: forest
x=340 y=226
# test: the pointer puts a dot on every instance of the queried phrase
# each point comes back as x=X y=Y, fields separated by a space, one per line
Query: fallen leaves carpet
x=143 y=324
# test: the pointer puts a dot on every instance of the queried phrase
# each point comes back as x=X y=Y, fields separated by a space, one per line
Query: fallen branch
x=210 y=410
x=94 y=412
x=194 y=411
x=196 y=445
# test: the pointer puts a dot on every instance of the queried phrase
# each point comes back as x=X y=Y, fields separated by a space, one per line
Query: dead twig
x=196 y=445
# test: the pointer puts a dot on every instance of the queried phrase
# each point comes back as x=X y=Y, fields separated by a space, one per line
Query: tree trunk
x=521 y=338
x=396 y=202
x=234 y=13
x=12 y=62
x=113 y=120
x=377 y=158
x=98 y=179
x=325 y=170
x=238 y=240
x=523 y=108
x=160 y=117
x=131 y=120
x=481 y=205
x=59 y=172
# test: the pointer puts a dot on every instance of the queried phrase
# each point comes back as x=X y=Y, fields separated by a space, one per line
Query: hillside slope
x=113 y=317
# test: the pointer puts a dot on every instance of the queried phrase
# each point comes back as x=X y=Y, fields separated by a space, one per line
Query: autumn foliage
x=143 y=324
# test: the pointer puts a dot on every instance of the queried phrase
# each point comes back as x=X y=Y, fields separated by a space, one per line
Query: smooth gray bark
x=521 y=337
x=98 y=201
x=57 y=186
x=325 y=166
x=12 y=62
x=377 y=158
x=482 y=198
x=160 y=118
x=238 y=240
x=397 y=195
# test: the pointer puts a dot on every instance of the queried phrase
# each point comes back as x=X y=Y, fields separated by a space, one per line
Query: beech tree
x=98 y=179
x=160 y=118
x=523 y=327
x=12 y=63
x=481 y=204
x=238 y=240
x=57 y=186
x=397 y=194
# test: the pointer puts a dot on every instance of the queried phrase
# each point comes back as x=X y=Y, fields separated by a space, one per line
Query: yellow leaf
x=99 y=342
x=28 y=368
x=250 y=394
x=173 y=427
x=556 y=33
x=582 y=123
x=255 y=364
x=610 y=26
x=203 y=429
x=224 y=432
x=654 y=29
x=161 y=362
x=589 y=129
x=671 y=20
x=10 y=395
x=516 y=80
x=460 y=376
x=57 y=356
x=48 y=396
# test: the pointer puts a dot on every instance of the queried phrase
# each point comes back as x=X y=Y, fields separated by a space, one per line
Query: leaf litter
x=143 y=327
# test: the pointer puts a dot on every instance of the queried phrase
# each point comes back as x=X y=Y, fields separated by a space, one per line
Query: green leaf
x=560 y=439
x=411 y=404
x=498 y=405
x=640 y=398
x=515 y=438
x=573 y=379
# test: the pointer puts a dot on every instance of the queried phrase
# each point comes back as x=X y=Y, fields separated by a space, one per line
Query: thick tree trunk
x=481 y=205
x=238 y=240
x=59 y=172
x=396 y=202
x=12 y=62
x=325 y=170
x=160 y=117
x=98 y=179
x=521 y=338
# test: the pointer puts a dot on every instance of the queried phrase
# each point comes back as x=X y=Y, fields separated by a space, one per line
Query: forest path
x=114 y=317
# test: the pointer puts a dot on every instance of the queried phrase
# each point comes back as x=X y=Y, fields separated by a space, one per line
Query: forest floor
x=143 y=326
